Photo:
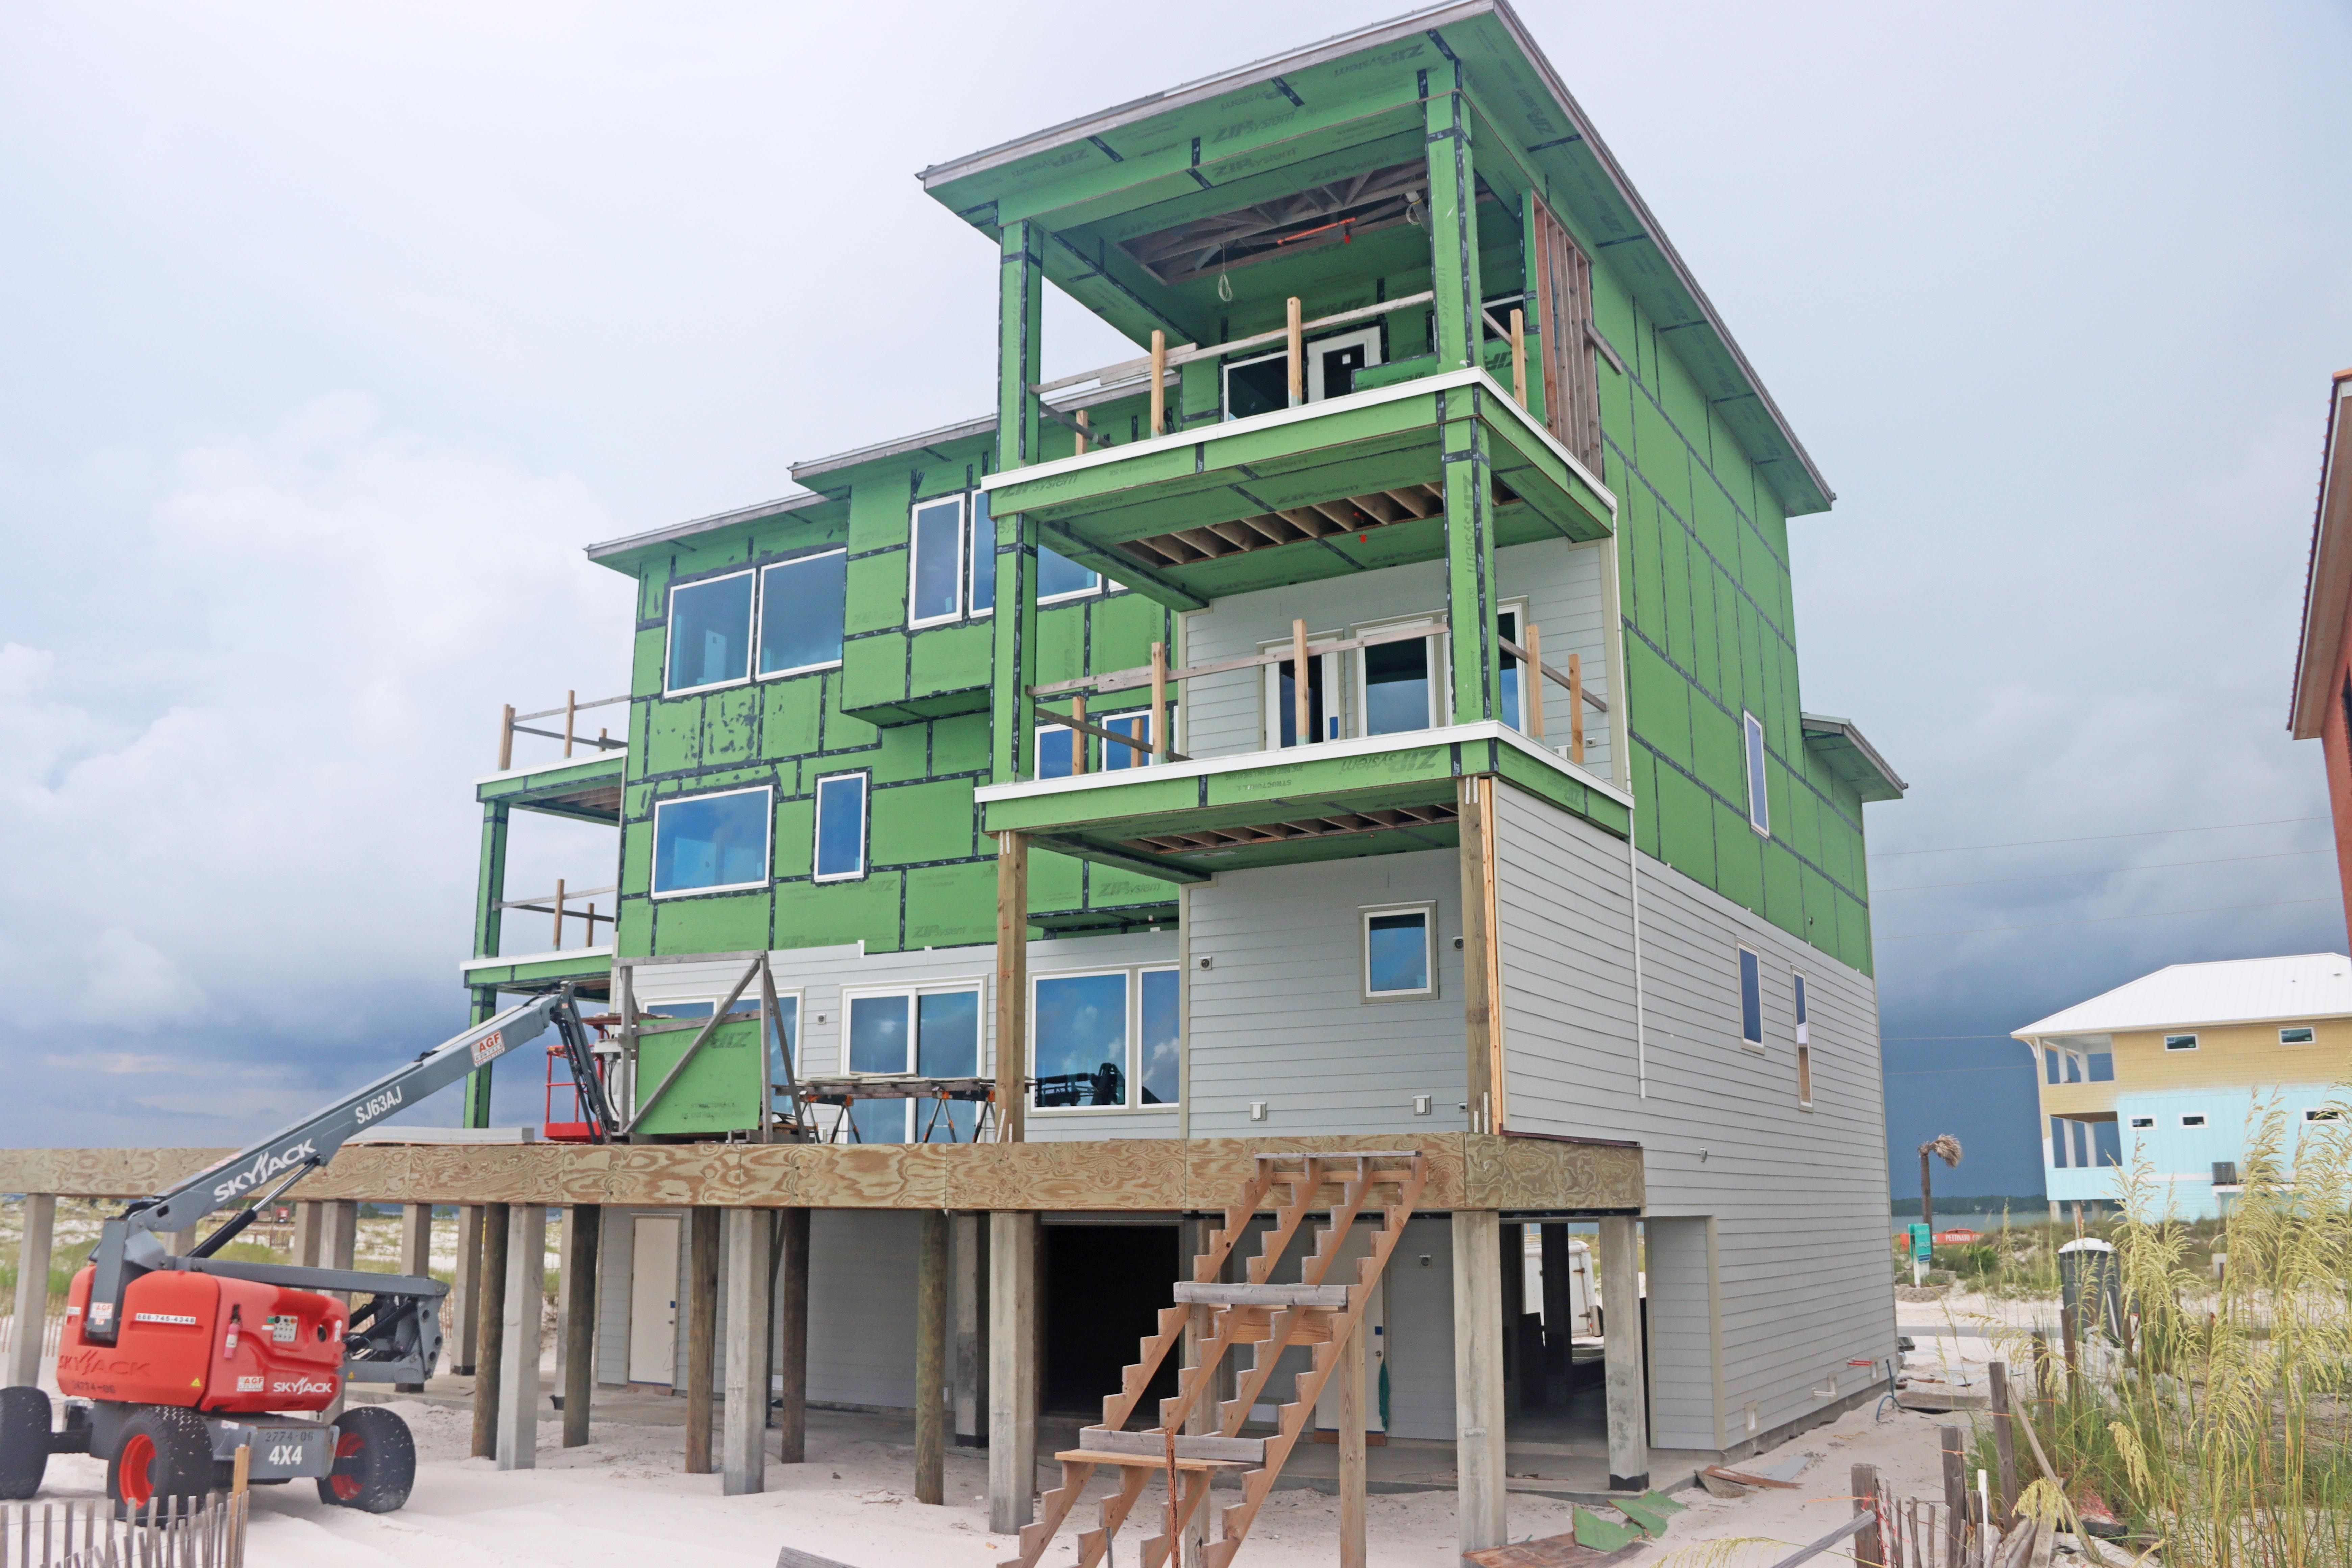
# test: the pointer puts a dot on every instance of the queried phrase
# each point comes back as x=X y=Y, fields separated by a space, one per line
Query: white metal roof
x=2240 y=991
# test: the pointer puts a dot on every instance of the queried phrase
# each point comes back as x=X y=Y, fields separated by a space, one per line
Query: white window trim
x=2143 y=1123
x=850 y=993
x=2192 y=1118
x=760 y=617
x=1739 y=980
x=669 y=633
x=1531 y=680
x=1101 y=585
x=864 y=826
x=1269 y=691
x=963 y=560
x=1370 y=337
x=1427 y=910
x=1134 y=1065
x=1138 y=756
x=2190 y=1046
x=2310 y=1035
x=766 y=791
x=1756 y=774
x=1441 y=675
x=1037 y=745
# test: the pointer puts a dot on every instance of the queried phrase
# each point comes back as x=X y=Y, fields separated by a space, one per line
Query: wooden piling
x=930 y=1358
x=792 y=1337
x=489 y=1329
x=701 y=1336
x=583 y=1227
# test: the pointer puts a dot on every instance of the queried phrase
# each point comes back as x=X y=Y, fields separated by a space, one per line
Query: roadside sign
x=1922 y=1246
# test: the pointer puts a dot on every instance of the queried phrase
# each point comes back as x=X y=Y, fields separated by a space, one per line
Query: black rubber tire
x=375 y=1461
x=171 y=1447
x=24 y=1441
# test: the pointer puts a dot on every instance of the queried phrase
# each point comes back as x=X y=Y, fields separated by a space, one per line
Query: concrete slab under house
x=1301 y=850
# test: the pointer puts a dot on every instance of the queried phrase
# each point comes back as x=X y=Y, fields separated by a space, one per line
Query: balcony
x=1318 y=490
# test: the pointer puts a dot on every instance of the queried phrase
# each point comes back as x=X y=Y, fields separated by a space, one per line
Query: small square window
x=1057 y=747
x=841 y=827
x=1804 y=1026
x=2194 y=1119
x=801 y=609
x=1759 y=809
x=1752 y=1000
x=2299 y=1035
x=2179 y=1042
x=1398 y=957
x=711 y=843
x=709 y=633
x=2143 y=1122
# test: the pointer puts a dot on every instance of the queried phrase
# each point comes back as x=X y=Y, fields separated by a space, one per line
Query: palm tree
x=1943 y=1147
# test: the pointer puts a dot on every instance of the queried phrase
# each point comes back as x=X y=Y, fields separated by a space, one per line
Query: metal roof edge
x=663 y=535
x=898 y=445
x=1846 y=730
x=2327 y=571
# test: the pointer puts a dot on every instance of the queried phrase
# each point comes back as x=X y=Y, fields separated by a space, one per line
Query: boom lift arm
x=391 y=1339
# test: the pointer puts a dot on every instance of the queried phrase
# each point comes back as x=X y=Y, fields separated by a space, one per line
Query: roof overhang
x=1851 y=757
x=1667 y=288
x=611 y=550
x=2327 y=581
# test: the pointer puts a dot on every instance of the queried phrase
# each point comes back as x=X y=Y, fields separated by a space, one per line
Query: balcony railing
x=512 y=723
x=557 y=904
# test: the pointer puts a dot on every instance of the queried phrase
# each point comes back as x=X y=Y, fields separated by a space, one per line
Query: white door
x=1375 y=1324
x=653 y=1300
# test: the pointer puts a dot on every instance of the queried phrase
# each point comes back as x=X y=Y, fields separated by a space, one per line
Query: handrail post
x=1299 y=707
x=1084 y=425
x=559 y=916
x=1519 y=356
x=571 y=711
x=506 y=737
x=1158 y=382
x=1078 y=736
x=1159 y=741
x=1575 y=709
x=1531 y=679
x=1298 y=349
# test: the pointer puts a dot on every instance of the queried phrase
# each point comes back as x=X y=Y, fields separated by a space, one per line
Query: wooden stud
x=1477 y=1009
x=1296 y=341
x=32 y=1290
x=1083 y=424
x=1353 y=1365
x=2004 y=1438
x=559 y=919
x=489 y=1329
x=750 y=1275
x=1011 y=985
x=1531 y=682
x=1482 y=1502
x=1160 y=714
x=506 y=737
x=241 y=1471
x=1519 y=356
x=792 y=1336
x=526 y=1274
x=1013 y=1321
x=930 y=1358
x=701 y=1335
x=1078 y=736
x=572 y=709
x=1621 y=1300
x=584 y=1226
x=1575 y=709
x=1299 y=707
x=1869 y=1545
x=1158 y=382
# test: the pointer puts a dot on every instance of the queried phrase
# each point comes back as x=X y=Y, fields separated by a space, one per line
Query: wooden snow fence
x=85 y=1533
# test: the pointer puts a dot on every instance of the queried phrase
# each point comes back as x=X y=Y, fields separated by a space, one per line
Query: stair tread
x=1222 y=1295
x=1145 y=1462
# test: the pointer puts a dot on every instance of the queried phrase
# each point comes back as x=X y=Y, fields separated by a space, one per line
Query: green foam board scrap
x=1649 y=1512
x=1598 y=1534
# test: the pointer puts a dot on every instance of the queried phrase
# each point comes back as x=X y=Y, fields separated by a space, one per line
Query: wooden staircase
x=1266 y=1317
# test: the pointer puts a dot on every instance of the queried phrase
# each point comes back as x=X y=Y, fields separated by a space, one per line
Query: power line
x=1919 y=1072
x=1887 y=1037
x=2114 y=871
x=2095 y=837
x=2096 y=919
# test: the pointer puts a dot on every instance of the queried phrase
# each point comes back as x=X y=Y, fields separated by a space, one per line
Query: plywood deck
x=1468 y=1170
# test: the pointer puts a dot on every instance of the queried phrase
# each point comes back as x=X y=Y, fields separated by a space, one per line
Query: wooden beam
x=1299 y=705
x=526 y=1273
x=1296 y=349
x=1353 y=1367
x=701 y=1336
x=32 y=1289
x=930 y=1358
x=1012 y=1255
x=750 y=1275
x=792 y=1336
x=1472 y=820
x=489 y=1329
x=1481 y=1506
x=583 y=1225
x=1621 y=1302
x=1011 y=986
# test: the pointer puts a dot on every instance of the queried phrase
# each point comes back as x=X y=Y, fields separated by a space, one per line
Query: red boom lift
x=169 y=1365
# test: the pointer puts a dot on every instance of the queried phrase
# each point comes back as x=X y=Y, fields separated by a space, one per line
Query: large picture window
x=711 y=843
x=1105 y=1040
x=801 y=603
x=841 y=827
x=709 y=633
x=925 y=1032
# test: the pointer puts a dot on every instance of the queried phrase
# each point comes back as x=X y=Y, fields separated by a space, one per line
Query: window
x=1117 y=757
x=2296 y=1036
x=983 y=556
x=1805 y=1075
x=935 y=567
x=841 y=827
x=2179 y=1042
x=801 y=609
x=709 y=633
x=1261 y=383
x=1517 y=684
x=1106 y=1041
x=2194 y=1119
x=2141 y=1122
x=711 y=843
x=1281 y=697
x=1059 y=577
x=1057 y=747
x=1804 y=1028
x=1399 y=687
x=1759 y=809
x=2324 y=1113
x=1398 y=954
x=930 y=1032
x=1752 y=1000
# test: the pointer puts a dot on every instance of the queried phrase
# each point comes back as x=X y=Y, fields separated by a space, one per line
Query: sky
x=328 y=335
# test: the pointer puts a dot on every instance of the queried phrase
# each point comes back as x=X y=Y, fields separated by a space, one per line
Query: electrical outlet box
x=1257 y=1109
x=1422 y=1104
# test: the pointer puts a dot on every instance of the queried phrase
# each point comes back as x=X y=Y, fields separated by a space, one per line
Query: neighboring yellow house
x=2172 y=1065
